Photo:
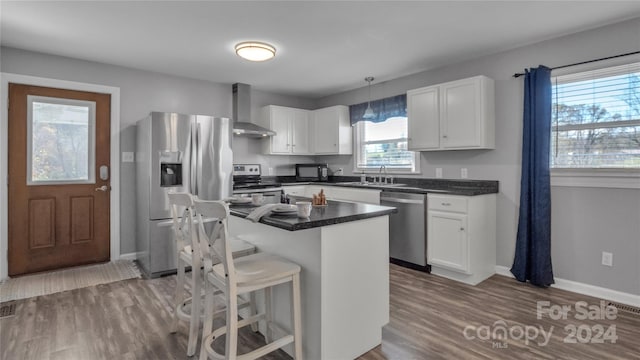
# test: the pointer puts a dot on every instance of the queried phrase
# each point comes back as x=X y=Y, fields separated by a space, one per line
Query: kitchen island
x=343 y=250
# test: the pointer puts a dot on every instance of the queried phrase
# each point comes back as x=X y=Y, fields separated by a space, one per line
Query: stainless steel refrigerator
x=183 y=153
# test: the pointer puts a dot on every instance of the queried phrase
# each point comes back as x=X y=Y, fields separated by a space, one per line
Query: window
x=60 y=141
x=596 y=119
x=384 y=143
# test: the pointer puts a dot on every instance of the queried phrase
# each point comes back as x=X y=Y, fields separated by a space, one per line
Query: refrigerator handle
x=194 y=148
x=198 y=179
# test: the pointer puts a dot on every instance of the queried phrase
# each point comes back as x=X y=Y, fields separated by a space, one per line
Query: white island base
x=344 y=283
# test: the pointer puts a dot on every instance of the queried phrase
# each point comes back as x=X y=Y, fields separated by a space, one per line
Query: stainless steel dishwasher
x=407 y=228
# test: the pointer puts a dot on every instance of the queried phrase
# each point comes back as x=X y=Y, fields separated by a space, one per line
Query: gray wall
x=586 y=221
x=140 y=93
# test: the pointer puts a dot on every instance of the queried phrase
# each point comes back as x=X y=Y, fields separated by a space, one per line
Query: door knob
x=102 y=188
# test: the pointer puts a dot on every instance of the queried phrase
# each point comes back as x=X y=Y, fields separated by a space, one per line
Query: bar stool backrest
x=218 y=239
x=183 y=229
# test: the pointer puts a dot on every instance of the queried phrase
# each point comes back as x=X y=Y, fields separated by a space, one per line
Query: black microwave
x=312 y=172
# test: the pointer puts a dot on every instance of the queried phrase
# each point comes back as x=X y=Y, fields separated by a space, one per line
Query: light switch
x=463 y=173
x=127 y=156
x=439 y=173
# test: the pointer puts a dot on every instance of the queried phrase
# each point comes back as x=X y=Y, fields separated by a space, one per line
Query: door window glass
x=61 y=141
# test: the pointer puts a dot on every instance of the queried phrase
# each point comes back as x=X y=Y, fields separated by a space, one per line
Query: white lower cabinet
x=352 y=194
x=339 y=193
x=461 y=236
x=450 y=244
x=297 y=190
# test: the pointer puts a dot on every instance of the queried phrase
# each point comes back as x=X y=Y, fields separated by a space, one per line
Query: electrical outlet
x=607 y=258
x=439 y=172
x=463 y=173
x=127 y=156
x=270 y=171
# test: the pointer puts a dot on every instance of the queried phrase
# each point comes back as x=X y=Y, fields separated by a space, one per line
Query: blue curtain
x=382 y=109
x=533 y=245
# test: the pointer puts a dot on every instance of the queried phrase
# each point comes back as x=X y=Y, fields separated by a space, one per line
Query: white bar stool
x=191 y=253
x=241 y=276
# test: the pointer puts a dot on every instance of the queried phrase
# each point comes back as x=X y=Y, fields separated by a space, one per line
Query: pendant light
x=368 y=113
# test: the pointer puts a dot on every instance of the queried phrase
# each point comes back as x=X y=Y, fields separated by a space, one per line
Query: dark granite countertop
x=335 y=212
x=411 y=185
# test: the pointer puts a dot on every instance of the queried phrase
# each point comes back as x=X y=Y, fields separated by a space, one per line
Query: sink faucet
x=385 y=174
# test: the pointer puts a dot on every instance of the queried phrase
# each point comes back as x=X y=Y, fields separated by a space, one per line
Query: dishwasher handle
x=401 y=201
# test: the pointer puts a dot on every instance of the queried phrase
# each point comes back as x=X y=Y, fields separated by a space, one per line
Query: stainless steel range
x=247 y=179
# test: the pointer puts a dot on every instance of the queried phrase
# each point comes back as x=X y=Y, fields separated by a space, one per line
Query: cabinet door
x=351 y=194
x=300 y=131
x=280 y=123
x=294 y=190
x=447 y=241
x=423 y=118
x=325 y=124
x=461 y=114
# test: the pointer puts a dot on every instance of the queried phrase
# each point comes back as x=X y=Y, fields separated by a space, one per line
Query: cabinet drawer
x=448 y=203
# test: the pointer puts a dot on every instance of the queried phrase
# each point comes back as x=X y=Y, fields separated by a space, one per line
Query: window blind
x=597 y=118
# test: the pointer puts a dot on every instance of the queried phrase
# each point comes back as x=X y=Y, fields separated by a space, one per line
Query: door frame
x=114 y=203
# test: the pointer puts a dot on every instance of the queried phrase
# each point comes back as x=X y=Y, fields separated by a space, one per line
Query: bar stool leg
x=253 y=310
x=232 y=326
x=207 y=327
x=268 y=337
x=179 y=296
x=295 y=318
x=194 y=323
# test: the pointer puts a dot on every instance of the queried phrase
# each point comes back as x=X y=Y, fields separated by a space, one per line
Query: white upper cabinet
x=331 y=130
x=300 y=132
x=456 y=115
x=292 y=130
x=279 y=121
x=423 y=118
x=324 y=131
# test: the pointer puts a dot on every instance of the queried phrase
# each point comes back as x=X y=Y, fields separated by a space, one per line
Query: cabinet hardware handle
x=444 y=136
x=461 y=229
x=446 y=204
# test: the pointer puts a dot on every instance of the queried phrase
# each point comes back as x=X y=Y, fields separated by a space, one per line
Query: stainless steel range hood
x=242 y=124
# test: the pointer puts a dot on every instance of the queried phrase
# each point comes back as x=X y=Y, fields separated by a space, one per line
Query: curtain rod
x=516 y=75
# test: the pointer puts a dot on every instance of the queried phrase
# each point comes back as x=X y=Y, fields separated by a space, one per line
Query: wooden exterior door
x=59 y=171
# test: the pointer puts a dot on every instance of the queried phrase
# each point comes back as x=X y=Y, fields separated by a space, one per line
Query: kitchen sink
x=358 y=183
x=391 y=185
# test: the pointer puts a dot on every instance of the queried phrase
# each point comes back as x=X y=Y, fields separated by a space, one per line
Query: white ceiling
x=323 y=47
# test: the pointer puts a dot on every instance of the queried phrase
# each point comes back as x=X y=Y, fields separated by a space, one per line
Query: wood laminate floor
x=130 y=320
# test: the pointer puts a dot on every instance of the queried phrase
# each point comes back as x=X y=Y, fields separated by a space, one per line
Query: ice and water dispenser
x=170 y=168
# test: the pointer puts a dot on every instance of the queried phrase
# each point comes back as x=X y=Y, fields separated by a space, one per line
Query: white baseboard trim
x=584 y=289
x=129 y=256
x=504 y=271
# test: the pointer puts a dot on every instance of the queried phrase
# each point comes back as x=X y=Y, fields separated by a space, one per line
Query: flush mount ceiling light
x=255 y=51
x=368 y=113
